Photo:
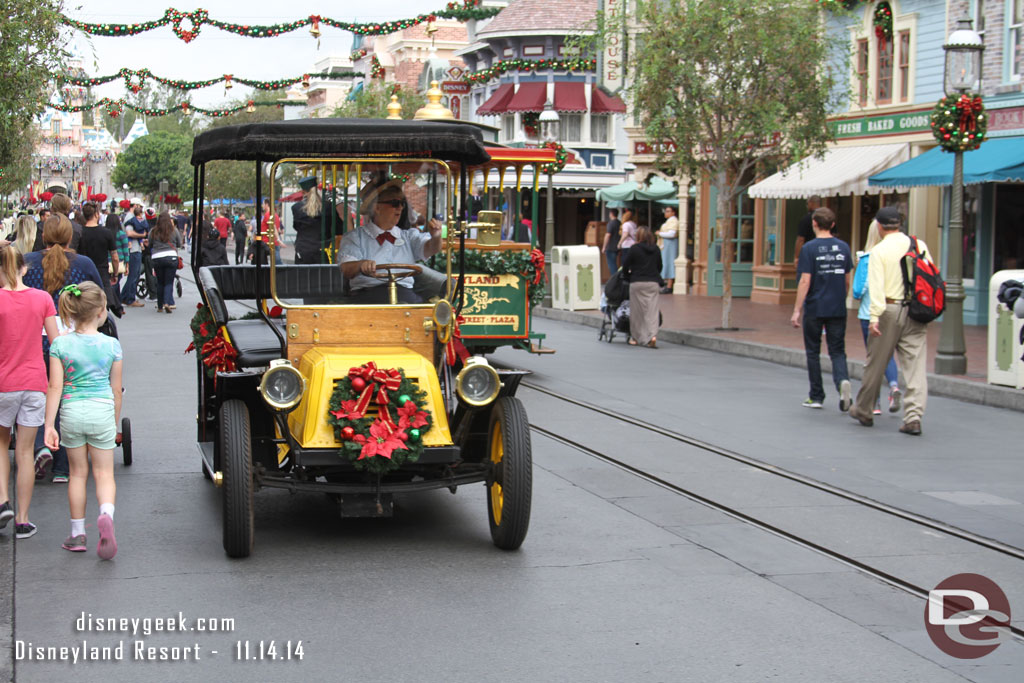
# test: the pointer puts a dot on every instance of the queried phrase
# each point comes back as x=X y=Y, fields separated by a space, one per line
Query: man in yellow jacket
x=891 y=328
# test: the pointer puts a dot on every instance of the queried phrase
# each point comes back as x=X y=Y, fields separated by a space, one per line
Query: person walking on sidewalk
x=611 y=242
x=890 y=327
x=136 y=228
x=642 y=267
x=860 y=291
x=823 y=269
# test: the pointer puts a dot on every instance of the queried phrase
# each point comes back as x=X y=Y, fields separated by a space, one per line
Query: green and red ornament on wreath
x=959 y=122
x=379 y=417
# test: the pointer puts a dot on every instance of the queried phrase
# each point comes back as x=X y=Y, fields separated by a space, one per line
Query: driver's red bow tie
x=385 y=236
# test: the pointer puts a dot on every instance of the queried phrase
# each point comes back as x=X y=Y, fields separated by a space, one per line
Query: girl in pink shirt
x=24 y=312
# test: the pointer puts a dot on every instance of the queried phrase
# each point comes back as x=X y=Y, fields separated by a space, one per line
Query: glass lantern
x=963 y=59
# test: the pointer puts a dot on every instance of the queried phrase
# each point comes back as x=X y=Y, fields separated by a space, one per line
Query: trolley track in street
x=921 y=520
x=862 y=567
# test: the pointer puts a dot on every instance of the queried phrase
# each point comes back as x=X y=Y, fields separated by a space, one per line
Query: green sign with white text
x=882 y=124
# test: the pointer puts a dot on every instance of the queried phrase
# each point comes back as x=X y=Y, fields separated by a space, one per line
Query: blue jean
x=130 y=282
x=611 y=257
x=891 y=373
x=835 y=338
x=165 y=269
x=60 y=456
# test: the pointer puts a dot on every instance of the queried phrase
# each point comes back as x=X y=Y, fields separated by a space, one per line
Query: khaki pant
x=908 y=338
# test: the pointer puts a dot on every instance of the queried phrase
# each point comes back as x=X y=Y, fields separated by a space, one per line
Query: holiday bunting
x=116 y=107
x=135 y=80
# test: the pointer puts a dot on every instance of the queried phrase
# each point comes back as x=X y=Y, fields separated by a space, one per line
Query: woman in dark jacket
x=213 y=253
x=642 y=266
x=306 y=219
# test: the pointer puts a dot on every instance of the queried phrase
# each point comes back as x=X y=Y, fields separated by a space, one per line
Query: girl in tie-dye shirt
x=85 y=382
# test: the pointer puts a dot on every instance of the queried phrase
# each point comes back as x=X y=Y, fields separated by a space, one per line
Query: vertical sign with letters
x=611 y=60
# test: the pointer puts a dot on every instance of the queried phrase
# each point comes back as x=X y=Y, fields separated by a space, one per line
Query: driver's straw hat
x=370 y=193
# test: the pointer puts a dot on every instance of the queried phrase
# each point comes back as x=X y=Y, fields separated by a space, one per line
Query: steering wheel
x=393 y=272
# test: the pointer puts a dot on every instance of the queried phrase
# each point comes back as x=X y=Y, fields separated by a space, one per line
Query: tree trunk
x=725 y=228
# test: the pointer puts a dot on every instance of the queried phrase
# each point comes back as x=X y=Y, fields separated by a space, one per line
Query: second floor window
x=884 y=91
x=570 y=127
x=508 y=126
x=904 y=56
x=863 y=68
x=1014 y=27
x=599 y=128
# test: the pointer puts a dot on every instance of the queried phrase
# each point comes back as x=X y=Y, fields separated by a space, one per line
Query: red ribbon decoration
x=219 y=354
x=377 y=380
x=537 y=259
x=969 y=110
x=455 y=348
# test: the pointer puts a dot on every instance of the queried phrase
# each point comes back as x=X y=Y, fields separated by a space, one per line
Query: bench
x=256 y=343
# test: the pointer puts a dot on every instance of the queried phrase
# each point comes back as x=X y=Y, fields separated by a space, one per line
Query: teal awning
x=998 y=160
x=632 y=191
x=354 y=92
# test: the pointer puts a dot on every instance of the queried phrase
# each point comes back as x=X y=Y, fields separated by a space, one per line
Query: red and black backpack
x=925 y=290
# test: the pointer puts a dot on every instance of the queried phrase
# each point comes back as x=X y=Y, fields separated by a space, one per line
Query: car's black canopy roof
x=340 y=137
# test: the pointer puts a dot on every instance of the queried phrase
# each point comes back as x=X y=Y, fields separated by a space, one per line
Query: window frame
x=563 y=129
x=882 y=63
x=863 y=67
x=604 y=119
x=903 y=64
x=1013 y=20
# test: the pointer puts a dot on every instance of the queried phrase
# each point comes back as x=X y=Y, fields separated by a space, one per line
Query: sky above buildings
x=214 y=52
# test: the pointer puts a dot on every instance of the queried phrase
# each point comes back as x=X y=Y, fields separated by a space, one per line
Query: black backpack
x=924 y=288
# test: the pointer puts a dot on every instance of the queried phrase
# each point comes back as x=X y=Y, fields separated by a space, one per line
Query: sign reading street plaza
x=497 y=306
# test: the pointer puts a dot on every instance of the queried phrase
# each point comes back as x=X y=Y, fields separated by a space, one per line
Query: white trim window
x=883 y=70
x=570 y=128
x=599 y=124
x=1014 y=29
x=508 y=127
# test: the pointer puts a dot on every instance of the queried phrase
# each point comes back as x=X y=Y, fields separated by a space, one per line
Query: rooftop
x=538 y=16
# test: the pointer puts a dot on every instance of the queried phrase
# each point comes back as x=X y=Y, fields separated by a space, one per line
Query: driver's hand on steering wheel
x=368 y=267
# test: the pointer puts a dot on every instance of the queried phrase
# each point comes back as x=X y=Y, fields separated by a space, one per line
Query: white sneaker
x=845 y=391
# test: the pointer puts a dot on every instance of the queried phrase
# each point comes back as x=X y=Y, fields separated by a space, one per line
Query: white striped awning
x=842 y=171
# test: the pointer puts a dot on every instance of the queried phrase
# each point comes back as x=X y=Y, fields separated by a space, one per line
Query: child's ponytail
x=57 y=234
x=11 y=263
x=80 y=302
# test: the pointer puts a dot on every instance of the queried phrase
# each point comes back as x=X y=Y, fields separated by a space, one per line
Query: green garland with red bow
x=379 y=417
x=959 y=123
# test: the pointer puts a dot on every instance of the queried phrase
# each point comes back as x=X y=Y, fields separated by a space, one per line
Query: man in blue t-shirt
x=823 y=269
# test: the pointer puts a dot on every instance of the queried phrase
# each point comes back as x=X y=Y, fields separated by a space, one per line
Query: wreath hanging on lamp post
x=959 y=122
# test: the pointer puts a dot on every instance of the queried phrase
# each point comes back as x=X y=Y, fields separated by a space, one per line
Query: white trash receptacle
x=555 y=269
x=579 y=278
x=1005 y=366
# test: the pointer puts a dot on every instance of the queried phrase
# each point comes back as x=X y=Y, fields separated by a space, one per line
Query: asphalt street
x=618 y=580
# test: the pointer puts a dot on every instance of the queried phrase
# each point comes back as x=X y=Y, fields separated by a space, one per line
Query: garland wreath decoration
x=376 y=70
x=561 y=157
x=882 y=21
x=186 y=25
x=524 y=263
x=959 y=123
x=135 y=80
x=216 y=351
x=116 y=107
x=382 y=439
x=576 y=64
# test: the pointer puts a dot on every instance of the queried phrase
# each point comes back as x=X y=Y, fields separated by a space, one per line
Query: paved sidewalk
x=764 y=332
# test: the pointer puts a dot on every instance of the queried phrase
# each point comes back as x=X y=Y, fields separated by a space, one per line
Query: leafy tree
x=153 y=158
x=30 y=51
x=372 y=102
x=736 y=85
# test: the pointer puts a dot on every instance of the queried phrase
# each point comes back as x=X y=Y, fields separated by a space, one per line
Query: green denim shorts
x=88 y=421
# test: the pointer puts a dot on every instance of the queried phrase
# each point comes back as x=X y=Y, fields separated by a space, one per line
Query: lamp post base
x=951 y=364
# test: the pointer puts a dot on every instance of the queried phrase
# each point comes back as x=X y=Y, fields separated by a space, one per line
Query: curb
x=939 y=385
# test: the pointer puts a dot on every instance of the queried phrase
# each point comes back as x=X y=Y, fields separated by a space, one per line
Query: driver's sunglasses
x=397 y=203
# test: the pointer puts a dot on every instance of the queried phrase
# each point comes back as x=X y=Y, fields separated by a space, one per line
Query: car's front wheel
x=510 y=490
x=236 y=464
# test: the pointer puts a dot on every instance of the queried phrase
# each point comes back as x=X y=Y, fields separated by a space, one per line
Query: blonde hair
x=26 y=234
x=57 y=234
x=76 y=308
x=11 y=263
x=312 y=204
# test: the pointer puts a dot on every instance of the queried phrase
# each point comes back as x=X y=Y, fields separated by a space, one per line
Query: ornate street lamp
x=549 y=132
x=962 y=76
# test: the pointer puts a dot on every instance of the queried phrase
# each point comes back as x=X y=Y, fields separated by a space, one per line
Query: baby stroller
x=615 y=306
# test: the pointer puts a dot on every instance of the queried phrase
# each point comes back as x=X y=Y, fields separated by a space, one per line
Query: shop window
x=863 y=75
x=771 y=232
x=904 y=57
x=599 y=128
x=972 y=208
x=884 y=79
x=570 y=127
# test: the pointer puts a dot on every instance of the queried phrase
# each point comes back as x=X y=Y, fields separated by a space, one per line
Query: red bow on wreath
x=219 y=354
x=969 y=110
x=455 y=348
x=381 y=381
x=537 y=259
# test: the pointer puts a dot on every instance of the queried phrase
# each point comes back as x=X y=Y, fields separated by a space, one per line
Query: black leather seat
x=255 y=341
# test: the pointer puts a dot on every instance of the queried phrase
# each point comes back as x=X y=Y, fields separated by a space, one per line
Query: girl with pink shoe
x=85 y=384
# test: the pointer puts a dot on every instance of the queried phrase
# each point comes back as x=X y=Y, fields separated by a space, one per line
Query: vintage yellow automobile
x=314 y=391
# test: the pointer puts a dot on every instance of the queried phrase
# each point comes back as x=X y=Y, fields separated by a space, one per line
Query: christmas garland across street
x=135 y=79
x=116 y=107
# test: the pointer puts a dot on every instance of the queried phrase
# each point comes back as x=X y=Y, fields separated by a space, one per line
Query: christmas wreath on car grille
x=379 y=417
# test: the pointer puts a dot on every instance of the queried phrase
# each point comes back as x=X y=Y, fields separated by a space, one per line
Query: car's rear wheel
x=510 y=491
x=236 y=463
